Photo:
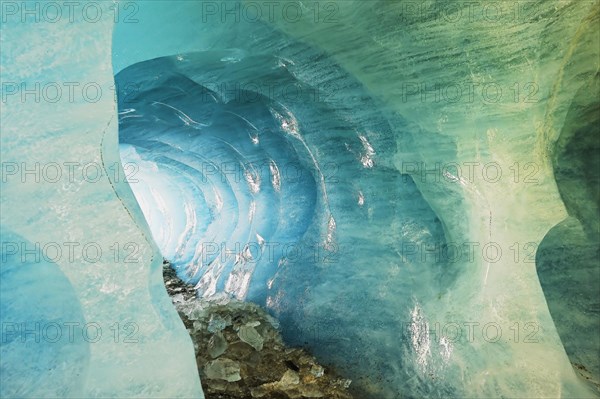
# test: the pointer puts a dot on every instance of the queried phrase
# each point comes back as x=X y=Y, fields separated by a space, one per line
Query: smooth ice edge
x=152 y=356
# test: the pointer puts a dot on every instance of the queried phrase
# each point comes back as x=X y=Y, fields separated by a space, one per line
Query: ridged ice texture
x=285 y=200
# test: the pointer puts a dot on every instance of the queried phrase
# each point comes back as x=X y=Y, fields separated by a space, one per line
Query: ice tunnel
x=410 y=187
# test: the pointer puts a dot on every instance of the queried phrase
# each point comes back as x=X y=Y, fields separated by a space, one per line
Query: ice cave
x=407 y=192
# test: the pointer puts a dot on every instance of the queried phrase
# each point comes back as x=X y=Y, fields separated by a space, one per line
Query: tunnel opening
x=280 y=199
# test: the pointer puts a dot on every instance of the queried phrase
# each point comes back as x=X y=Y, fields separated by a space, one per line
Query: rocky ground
x=240 y=352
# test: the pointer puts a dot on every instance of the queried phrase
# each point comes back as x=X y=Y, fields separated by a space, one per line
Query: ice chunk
x=249 y=335
x=218 y=323
x=217 y=345
x=223 y=369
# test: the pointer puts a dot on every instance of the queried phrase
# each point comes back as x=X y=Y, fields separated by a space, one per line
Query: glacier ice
x=27 y=313
x=324 y=164
x=572 y=294
x=84 y=309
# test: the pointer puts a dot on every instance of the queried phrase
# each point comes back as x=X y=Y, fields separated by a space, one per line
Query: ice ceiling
x=410 y=187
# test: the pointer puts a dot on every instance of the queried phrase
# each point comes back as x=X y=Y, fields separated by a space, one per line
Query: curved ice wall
x=84 y=311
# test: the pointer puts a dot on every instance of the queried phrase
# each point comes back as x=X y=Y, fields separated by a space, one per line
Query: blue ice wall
x=278 y=198
x=33 y=319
